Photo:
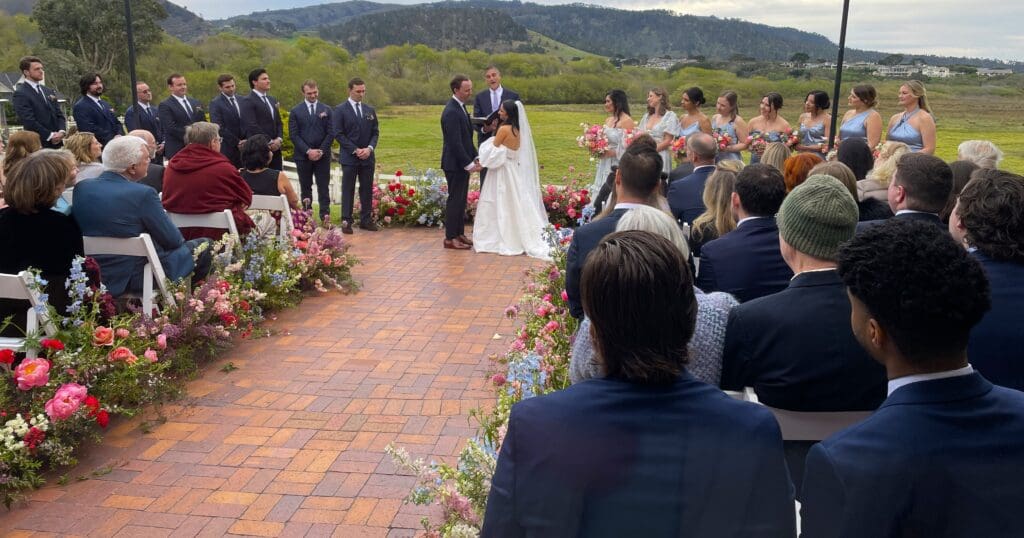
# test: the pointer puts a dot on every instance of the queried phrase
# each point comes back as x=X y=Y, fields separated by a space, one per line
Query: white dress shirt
x=895 y=384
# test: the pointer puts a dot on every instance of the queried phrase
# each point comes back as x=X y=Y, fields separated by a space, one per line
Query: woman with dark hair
x=256 y=156
x=728 y=122
x=962 y=171
x=867 y=208
x=769 y=126
x=815 y=123
x=694 y=120
x=915 y=126
x=660 y=122
x=856 y=154
x=862 y=120
x=616 y=126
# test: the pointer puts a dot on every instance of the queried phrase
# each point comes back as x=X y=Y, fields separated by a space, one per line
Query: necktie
x=100 y=104
x=234 y=106
x=494 y=100
x=149 y=111
x=270 y=108
x=39 y=88
x=312 y=109
x=359 y=110
x=187 y=105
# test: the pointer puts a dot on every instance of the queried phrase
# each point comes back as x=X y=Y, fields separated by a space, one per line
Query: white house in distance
x=986 y=72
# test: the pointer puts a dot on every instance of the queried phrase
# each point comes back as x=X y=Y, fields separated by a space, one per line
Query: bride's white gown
x=510 y=215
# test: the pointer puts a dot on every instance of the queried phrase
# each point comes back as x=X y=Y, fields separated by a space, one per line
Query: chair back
x=141 y=246
x=809 y=425
x=275 y=203
x=18 y=287
x=223 y=220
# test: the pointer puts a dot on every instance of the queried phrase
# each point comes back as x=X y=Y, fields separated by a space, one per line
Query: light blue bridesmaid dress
x=904 y=132
x=813 y=135
x=668 y=124
x=770 y=136
x=729 y=129
x=855 y=127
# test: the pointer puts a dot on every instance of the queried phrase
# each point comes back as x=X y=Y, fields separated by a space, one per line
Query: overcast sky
x=975 y=28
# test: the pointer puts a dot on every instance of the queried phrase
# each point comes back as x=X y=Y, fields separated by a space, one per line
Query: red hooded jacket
x=201 y=180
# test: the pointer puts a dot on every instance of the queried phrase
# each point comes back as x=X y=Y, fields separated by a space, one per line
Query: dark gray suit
x=228 y=117
x=457 y=152
x=312 y=132
x=39 y=113
x=174 y=118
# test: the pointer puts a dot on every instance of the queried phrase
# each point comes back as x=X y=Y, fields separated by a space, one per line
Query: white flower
x=461 y=530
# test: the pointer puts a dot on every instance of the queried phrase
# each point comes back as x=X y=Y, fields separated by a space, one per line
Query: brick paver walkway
x=292 y=442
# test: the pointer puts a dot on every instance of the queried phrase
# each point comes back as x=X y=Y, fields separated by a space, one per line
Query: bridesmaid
x=862 y=120
x=729 y=121
x=660 y=122
x=616 y=104
x=915 y=126
x=694 y=120
x=815 y=123
x=770 y=125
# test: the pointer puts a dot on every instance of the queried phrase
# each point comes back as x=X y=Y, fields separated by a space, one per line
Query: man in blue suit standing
x=354 y=124
x=36 y=105
x=458 y=160
x=261 y=116
x=177 y=112
x=226 y=112
x=686 y=196
x=309 y=126
x=485 y=103
x=93 y=114
x=944 y=454
x=143 y=115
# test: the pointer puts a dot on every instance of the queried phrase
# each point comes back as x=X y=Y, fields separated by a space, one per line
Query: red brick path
x=291 y=443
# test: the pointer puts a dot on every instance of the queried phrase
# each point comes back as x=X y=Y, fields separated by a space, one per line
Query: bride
x=510 y=216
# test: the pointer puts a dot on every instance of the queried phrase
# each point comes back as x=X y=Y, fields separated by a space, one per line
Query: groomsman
x=226 y=111
x=36 y=105
x=485 y=103
x=260 y=114
x=309 y=126
x=177 y=112
x=93 y=114
x=354 y=124
x=142 y=115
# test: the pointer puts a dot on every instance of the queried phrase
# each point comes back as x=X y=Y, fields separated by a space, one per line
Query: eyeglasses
x=220 y=139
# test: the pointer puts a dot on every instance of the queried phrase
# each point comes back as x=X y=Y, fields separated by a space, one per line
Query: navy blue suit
x=996 y=347
x=457 y=152
x=226 y=115
x=37 y=113
x=686 y=196
x=96 y=118
x=584 y=240
x=940 y=458
x=925 y=217
x=257 y=118
x=174 y=118
x=147 y=121
x=745 y=262
x=354 y=132
x=610 y=458
x=312 y=132
x=112 y=206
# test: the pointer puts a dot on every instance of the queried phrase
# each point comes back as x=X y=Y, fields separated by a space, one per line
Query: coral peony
x=122 y=354
x=32 y=373
x=122 y=333
x=66 y=401
x=103 y=336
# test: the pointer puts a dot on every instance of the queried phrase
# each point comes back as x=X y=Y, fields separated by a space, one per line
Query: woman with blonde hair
x=87 y=150
x=775 y=155
x=660 y=122
x=876 y=184
x=717 y=218
x=915 y=126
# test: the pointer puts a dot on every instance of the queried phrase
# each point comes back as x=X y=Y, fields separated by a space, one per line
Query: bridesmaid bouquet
x=628 y=136
x=593 y=140
x=679 y=148
x=723 y=139
x=757 y=143
x=792 y=137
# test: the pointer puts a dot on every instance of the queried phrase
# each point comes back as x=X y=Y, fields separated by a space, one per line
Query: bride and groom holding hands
x=510 y=214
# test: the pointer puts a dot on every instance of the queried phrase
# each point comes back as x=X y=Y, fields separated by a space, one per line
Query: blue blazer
x=745 y=262
x=257 y=118
x=996 y=347
x=797 y=350
x=141 y=120
x=924 y=217
x=686 y=196
x=584 y=240
x=312 y=132
x=111 y=206
x=90 y=119
x=482 y=109
x=39 y=114
x=174 y=118
x=610 y=458
x=230 y=123
x=457 y=150
x=353 y=133
x=939 y=459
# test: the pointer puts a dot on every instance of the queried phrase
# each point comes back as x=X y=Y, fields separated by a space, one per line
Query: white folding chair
x=223 y=220
x=809 y=426
x=19 y=287
x=141 y=246
x=275 y=203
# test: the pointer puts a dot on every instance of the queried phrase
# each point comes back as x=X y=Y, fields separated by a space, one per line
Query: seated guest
x=20 y=145
x=746 y=262
x=944 y=454
x=983 y=153
x=705 y=349
x=199 y=179
x=155 y=174
x=989 y=220
x=636 y=183
x=962 y=171
x=796 y=169
x=256 y=155
x=32 y=236
x=775 y=155
x=646 y=450
x=868 y=208
x=717 y=220
x=87 y=150
x=114 y=205
x=686 y=196
x=856 y=154
x=919 y=189
x=876 y=183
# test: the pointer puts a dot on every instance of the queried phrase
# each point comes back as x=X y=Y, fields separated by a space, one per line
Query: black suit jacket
x=584 y=240
x=174 y=118
x=686 y=196
x=924 y=217
x=745 y=262
x=797 y=350
x=91 y=119
x=482 y=108
x=225 y=115
x=353 y=133
x=257 y=118
x=135 y=118
x=457 y=151
x=39 y=114
x=996 y=347
x=314 y=132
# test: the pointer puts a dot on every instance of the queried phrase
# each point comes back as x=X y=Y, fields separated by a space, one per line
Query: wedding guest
x=20 y=145
x=962 y=171
x=262 y=180
x=775 y=155
x=815 y=123
x=944 y=454
x=717 y=219
x=63 y=205
x=693 y=121
x=642 y=451
x=769 y=126
x=797 y=168
x=989 y=220
x=686 y=196
x=858 y=156
x=616 y=104
x=868 y=208
x=983 y=153
x=705 y=349
x=862 y=120
x=919 y=189
x=87 y=149
x=915 y=126
x=661 y=123
x=199 y=179
x=727 y=121
x=155 y=172
x=876 y=183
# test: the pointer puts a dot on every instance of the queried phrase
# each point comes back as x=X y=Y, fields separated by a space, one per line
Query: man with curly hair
x=944 y=454
x=989 y=219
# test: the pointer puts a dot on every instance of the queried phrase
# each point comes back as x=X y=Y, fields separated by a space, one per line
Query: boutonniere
x=52 y=97
x=322 y=115
x=198 y=107
x=370 y=117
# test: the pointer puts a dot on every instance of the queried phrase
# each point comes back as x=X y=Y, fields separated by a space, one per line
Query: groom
x=458 y=160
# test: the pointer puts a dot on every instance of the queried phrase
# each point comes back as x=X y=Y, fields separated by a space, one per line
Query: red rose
x=223 y=285
x=103 y=418
x=52 y=343
x=93 y=404
x=391 y=211
x=244 y=305
x=401 y=210
x=398 y=173
x=412 y=191
x=228 y=319
x=6 y=356
x=392 y=187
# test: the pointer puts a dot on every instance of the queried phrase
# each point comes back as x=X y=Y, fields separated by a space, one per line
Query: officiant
x=486 y=103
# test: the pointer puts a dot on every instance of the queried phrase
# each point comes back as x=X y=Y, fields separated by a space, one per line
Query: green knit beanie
x=817 y=216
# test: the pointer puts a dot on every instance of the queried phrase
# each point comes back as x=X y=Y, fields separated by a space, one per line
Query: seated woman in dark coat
x=256 y=155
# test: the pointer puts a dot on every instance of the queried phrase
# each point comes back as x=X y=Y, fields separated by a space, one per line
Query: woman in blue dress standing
x=728 y=121
x=915 y=126
x=862 y=120
x=616 y=125
x=694 y=120
x=660 y=122
x=815 y=123
x=770 y=125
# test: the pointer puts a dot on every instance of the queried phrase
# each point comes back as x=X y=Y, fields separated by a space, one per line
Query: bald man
x=155 y=174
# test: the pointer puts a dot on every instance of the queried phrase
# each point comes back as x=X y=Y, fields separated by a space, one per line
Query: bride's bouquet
x=593 y=140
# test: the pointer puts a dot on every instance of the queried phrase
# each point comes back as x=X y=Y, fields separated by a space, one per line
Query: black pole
x=131 y=50
x=839 y=75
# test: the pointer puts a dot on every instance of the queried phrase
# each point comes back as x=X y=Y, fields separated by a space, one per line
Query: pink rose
x=32 y=373
x=66 y=401
x=518 y=345
x=151 y=355
x=103 y=336
x=551 y=326
x=565 y=296
x=498 y=379
x=122 y=354
x=122 y=333
x=161 y=341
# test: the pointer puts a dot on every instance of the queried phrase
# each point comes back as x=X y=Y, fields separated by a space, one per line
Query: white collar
x=904 y=211
x=308 y=104
x=181 y=99
x=353 y=102
x=94 y=98
x=258 y=93
x=229 y=97
x=457 y=100
x=822 y=270
x=499 y=90
x=749 y=218
x=627 y=205
x=143 y=105
x=895 y=384
x=695 y=168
